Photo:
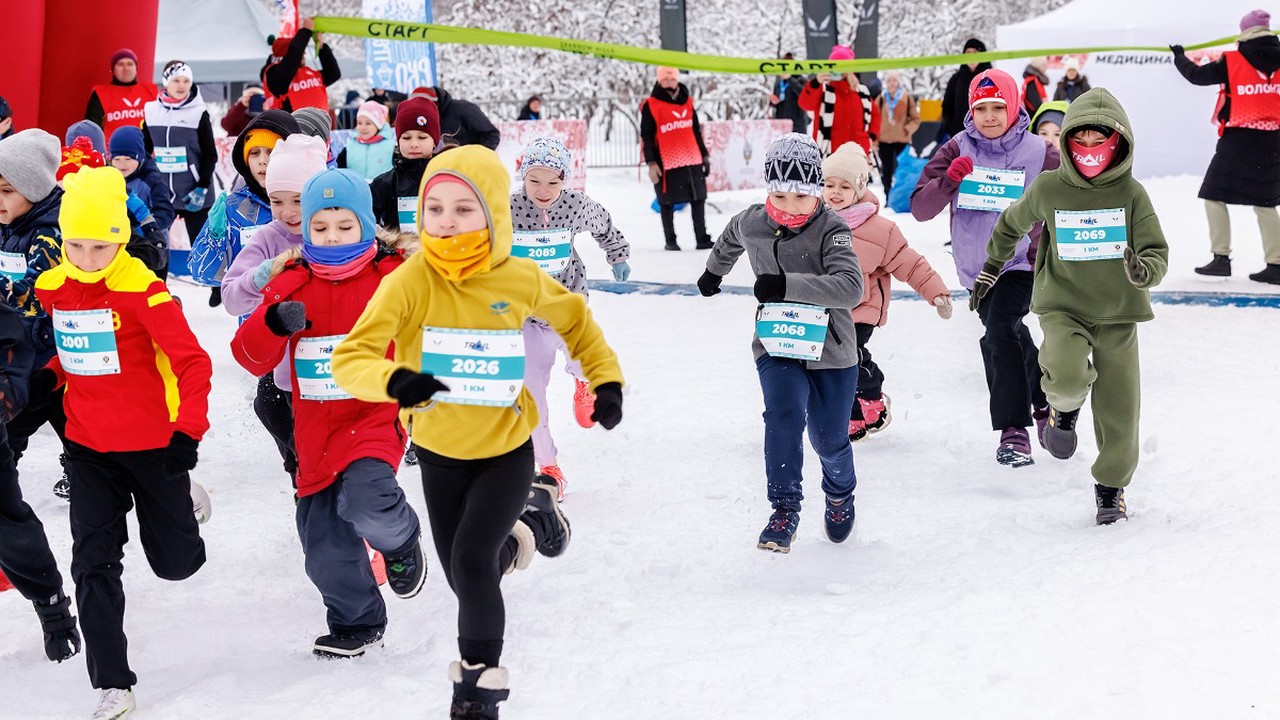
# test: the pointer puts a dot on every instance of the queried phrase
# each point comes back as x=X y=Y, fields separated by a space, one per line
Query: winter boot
x=584 y=404
x=555 y=473
x=876 y=413
x=1060 y=433
x=346 y=646
x=1270 y=275
x=201 y=505
x=62 y=488
x=543 y=516
x=1041 y=418
x=857 y=430
x=1015 y=448
x=1219 y=266
x=523 y=546
x=704 y=243
x=407 y=571
x=477 y=690
x=115 y=703
x=777 y=535
x=1110 y=503
x=215 y=296
x=838 y=519
x=61 y=638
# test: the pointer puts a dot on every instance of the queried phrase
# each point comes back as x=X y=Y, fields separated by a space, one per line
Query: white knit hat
x=848 y=162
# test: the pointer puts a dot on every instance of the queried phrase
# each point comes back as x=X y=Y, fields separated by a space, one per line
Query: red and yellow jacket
x=162 y=382
x=329 y=434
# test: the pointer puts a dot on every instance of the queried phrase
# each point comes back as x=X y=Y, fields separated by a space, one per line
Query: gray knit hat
x=314 y=122
x=29 y=161
x=794 y=164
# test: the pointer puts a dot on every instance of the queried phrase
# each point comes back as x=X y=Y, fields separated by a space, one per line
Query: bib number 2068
x=788 y=329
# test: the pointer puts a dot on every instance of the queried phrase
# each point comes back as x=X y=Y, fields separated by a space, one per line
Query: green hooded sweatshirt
x=1093 y=285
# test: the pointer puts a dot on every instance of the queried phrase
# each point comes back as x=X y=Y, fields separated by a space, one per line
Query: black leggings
x=274 y=408
x=472 y=506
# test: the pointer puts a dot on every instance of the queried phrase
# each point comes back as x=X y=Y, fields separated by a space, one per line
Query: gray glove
x=1138 y=273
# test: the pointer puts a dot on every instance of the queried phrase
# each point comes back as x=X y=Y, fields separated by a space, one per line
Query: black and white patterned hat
x=794 y=164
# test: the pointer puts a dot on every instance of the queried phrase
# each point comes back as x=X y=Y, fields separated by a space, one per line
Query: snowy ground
x=969 y=590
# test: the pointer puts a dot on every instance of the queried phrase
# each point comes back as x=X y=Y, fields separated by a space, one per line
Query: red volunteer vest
x=305 y=90
x=122 y=104
x=677 y=145
x=1255 y=98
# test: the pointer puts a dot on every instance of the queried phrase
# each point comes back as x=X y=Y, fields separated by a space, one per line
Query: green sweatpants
x=1113 y=374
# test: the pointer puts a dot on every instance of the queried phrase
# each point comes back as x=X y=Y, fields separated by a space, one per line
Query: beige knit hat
x=848 y=162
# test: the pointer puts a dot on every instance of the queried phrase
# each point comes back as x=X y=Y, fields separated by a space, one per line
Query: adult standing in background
x=899 y=120
x=955 y=99
x=251 y=103
x=785 y=99
x=118 y=103
x=462 y=122
x=1073 y=84
x=677 y=158
x=1245 y=169
x=1034 y=83
x=532 y=109
x=842 y=107
x=291 y=85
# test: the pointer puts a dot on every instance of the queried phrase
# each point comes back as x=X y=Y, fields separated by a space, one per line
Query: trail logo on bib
x=312 y=367
x=1083 y=235
x=86 y=341
x=792 y=330
x=480 y=367
x=990 y=189
x=551 y=249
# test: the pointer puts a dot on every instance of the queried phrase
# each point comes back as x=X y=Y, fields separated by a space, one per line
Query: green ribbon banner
x=423 y=32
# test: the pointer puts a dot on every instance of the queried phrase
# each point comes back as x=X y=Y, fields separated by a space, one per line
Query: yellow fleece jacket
x=510 y=292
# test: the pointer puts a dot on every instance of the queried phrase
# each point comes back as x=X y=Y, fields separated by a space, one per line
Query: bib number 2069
x=1090 y=235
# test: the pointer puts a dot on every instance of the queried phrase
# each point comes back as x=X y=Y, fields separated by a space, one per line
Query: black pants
x=472 y=506
x=39 y=410
x=104 y=487
x=25 y=556
x=698 y=208
x=274 y=408
x=889 y=163
x=1009 y=353
x=870 y=377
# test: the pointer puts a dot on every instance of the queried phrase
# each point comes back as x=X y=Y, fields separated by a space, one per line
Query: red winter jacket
x=848 y=124
x=328 y=435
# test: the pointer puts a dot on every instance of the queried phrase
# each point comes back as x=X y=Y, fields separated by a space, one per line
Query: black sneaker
x=215 y=296
x=410 y=457
x=671 y=245
x=704 y=243
x=542 y=514
x=61 y=638
x=62 y=488
x=1060 y=433
x=1110 y=503
x=1270 y=275
x=406 y=574
x=838 y=519
x=1219 y=266
x=345 y=646
x=778 y=533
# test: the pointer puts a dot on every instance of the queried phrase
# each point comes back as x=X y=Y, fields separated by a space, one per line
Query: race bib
x=13 y=265
x=246 y=233
x=551 y=249
x=792 y=330
x=171 y=159
x=86 y=341
x=312 y=368
x=1090 y=234
x=990 y=189
x=481 y=367
x=407 y=212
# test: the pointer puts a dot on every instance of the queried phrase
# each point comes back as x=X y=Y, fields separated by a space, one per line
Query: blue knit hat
x=549 y=153
x=338 y=189
x=127 y=141
x=89 y=129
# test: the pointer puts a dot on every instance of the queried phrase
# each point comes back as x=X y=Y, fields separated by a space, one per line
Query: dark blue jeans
x=796 y=397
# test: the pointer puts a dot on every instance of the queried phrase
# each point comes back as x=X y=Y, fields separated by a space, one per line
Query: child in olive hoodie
x=1101 y=252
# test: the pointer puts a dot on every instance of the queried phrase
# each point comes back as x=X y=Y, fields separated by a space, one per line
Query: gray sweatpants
x=1220 y=230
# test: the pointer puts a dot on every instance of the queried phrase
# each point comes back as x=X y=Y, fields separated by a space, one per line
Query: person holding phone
x=249 y=106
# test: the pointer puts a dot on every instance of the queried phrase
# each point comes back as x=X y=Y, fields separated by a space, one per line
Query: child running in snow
x=453 y=314
x=395 y=192
x=977 y=174
x=370 y=151
x=294 y=160
x=348 y=449
x=807 y=281
x=129 y=360
x=546 y=217
x=1104 y=249
x=883 y=254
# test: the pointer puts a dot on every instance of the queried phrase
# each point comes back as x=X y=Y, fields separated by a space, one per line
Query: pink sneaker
x=555 y=473
x=1041 y=418
x=857 y=430
x=584 y=404
x=876 y=414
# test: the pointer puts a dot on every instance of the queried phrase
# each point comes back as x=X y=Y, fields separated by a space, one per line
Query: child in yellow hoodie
x=454 y=313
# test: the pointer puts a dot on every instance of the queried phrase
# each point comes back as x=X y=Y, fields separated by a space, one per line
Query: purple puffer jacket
x=240 y=296
x=971 y=229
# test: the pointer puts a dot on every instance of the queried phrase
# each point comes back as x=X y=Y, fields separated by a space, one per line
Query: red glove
x=960 y=168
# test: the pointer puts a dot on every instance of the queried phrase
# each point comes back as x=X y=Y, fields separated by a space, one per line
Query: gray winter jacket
x=577 y=213
x=820 y=266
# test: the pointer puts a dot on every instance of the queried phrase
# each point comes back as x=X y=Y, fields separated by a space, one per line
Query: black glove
x=287 y=318
x=61 y=638
x=985 y=280
x=771 y=288
x=43 y=382
x=1178 y=50
x=181 y=456
x=1138 y=273
x=709 y=283
x=608 y=409
x=706 y=166
x=410 y=388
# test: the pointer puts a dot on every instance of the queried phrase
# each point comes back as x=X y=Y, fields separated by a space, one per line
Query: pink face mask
x=786 y=219
x=1091 y=161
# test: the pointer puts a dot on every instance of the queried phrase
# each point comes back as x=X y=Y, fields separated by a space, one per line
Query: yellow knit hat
x=93 y=206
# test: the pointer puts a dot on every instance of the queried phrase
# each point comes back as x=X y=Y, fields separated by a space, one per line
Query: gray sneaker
x=1060 y=433
x=1110 y=502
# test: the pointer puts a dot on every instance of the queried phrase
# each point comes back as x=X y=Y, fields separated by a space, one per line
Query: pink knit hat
x=841 y=52
x=1256 y=18
x=293 y=161
x=376 y=112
